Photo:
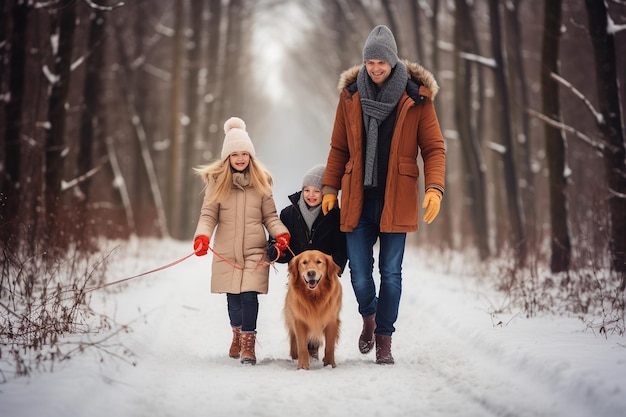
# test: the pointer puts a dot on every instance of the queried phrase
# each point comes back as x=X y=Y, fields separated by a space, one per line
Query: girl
x=238 y=204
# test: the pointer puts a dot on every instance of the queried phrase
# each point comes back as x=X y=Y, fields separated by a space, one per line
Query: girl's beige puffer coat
x=239 y=224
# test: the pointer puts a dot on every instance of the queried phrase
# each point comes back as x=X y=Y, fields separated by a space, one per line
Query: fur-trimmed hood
x=416 y=72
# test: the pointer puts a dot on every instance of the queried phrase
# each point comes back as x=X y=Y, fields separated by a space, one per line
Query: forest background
x=106 y=106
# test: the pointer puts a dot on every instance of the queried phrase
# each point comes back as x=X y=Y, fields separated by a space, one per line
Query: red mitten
x=282 y=242
x=201 y=245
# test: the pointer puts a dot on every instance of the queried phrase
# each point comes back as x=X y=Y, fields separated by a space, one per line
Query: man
x=385 y=118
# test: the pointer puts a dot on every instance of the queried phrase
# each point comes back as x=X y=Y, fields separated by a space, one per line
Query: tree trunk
x=128 y=92
x=10 y=178
x=519 y=94
x=212 y=128
x=63 y=25
x=142 y=88
x=176 y=146
x=417 y=36
x=91 y=121
x=232 y=67
x=555 y=144
x=466 y=126
x=612 y=130
x=191 y=195
x=503 y=116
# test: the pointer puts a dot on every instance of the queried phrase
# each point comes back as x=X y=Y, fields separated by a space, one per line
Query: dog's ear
x=332 y=269
x=292 y=267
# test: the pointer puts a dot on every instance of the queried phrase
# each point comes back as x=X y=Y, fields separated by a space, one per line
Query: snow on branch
x=614 y=28
x=617 y=193
x=449 y=47
x=597 y=145
x=428 y=11
x=43 y=4
x=488 y=62
x=50 y=76
x=96 y=6
x=65 y=185
x=496 y=147
x=598 y=116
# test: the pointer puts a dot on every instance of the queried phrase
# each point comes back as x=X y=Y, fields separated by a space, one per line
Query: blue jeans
x=360 y=245
x=243 y=310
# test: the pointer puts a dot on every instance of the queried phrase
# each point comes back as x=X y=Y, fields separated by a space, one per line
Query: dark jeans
x=360 y=245
x=243 y=310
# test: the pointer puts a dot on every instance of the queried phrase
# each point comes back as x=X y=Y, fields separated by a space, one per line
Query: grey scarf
x=377 y=105
x=309 y=214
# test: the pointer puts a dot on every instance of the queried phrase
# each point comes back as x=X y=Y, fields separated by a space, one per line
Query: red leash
x=143 y=273
x=226 y=260
x=169 y=266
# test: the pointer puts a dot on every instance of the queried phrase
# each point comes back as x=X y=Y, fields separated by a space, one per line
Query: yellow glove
x=329 y=201
x=432 y=203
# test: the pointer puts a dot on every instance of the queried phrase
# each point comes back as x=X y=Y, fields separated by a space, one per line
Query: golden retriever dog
x=312 y=306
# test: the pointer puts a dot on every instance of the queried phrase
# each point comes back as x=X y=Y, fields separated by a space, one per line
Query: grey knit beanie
x=313 y=178
x=381 y=44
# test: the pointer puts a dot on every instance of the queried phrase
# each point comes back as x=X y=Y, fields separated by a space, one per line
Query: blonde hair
x=219 y=176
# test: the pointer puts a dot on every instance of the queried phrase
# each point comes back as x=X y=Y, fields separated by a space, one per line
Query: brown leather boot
x=248 y=339
x=235 y=345
x=383 y=350
x=366 y=340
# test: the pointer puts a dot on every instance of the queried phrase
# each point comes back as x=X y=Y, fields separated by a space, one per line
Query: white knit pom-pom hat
x=236 y=139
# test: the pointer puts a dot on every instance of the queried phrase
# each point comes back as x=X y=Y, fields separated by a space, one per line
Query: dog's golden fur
x=312 y=306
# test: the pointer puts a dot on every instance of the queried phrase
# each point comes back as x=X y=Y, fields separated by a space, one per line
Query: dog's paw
x=332 y=363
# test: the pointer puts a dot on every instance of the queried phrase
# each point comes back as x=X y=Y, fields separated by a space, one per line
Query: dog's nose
x=311 y=274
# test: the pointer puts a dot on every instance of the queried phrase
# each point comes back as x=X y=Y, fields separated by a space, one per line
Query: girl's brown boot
x=248 y=339
x=235 y=345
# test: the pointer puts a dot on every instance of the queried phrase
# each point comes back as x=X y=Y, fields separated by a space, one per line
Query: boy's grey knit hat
x=381 y=44
x=313 y=178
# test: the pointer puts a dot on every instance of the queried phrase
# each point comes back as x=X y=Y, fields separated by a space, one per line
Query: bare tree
x=175 y=168
x=555 y=144
x=610 y=124
x=11 y=180
x=146 y=40
x=91 y=124
x=518 y=86
x=503 y=115
x=416 y=26
x=63 y=27
x=467 y=125
x=129 y=100
x=213 y=86
x=232 y=59
x=190 y=200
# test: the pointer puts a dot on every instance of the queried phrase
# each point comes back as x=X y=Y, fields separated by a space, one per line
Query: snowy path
x=450 y=360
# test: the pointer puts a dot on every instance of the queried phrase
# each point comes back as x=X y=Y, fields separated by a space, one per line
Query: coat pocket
x=406 y=194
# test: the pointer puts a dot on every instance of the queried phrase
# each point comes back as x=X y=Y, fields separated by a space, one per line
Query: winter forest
x=107 y=105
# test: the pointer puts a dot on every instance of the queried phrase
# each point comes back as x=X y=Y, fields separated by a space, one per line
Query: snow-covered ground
x=450 y=358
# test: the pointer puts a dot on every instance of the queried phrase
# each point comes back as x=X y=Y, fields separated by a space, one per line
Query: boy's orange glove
x=432 y=203
x=329 y=201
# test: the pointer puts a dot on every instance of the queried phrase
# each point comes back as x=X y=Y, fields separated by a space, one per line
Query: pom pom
x=234 y=123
